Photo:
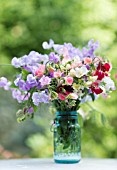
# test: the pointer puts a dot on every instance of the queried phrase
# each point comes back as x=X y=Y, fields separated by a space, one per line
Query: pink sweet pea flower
x=74 y=65
x=61 y=96
x=57 y=74
x=40 y=71
x=69 y=80
x=87 y=60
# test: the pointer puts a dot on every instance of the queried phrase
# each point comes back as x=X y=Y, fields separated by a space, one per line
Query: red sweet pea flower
x=61 y=96
x=106 y=67
x=98 y=90
x=99 y=66
x=99 y=74
x=95 y=89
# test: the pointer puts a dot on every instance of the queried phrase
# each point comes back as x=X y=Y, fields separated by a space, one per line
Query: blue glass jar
x=67 y=137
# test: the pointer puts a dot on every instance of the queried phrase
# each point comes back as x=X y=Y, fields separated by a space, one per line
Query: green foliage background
x=24 y=25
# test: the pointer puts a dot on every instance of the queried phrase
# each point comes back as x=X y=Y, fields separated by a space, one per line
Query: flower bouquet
x=67 y=77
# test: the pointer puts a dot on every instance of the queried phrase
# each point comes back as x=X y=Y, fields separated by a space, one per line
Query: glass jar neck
x=67 y=115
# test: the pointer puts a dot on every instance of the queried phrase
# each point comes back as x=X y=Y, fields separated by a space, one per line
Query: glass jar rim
x=66 y=113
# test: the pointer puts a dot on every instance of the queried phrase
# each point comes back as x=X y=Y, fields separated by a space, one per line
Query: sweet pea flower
x=57 y=74
x=72 y=96
x=16 y=62
x=31 y=80
x=40 y=71
x=61 y=96
x=47 y=45
x=40 y=97
x=87 y=60
x=81 y=71
x=72 y=73
x=69 y=80
x=5 y=83
x=109 y=84
x=45 y=80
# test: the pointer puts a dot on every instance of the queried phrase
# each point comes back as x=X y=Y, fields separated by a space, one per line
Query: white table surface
x=48 y=164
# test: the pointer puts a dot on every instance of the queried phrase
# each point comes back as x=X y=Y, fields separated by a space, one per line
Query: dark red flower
x=99 y=66
x=95 y=89
x=64 y=91
x=106 y=67
x=103 y=67
x=99 y=74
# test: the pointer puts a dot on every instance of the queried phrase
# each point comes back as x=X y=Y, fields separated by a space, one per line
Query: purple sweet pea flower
x=34 y=58
x=31 y=80
x=16 y=94
x=51 y=75
x=93 y=45
x=53 y=57
x=36 y=98
x=88 y=67
x=45 y=80
x=23 y=85
x=24 y=60
x=30 y=110
x=16 y=81
x=44 y=97
x=85 y=52
x=40 y=97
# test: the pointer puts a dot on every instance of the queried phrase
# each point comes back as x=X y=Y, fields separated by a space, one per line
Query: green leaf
x=24 y=74
x=13 y=86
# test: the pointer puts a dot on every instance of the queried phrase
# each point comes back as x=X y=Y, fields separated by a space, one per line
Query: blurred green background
x=24 y=25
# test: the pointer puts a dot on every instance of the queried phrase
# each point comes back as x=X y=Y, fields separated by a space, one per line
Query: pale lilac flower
x=24 y=60
x=53 y=57
x=4 y=83
x=16 y=62
x=36 y=98
x=40 y=97
x=44 y=58
x=45 y=80
x=88 y=98
x=93 y=45
x=109 y=83
x=16 y=81
x=16 y=94
x=44 y=97
x=47 y=45
x=7 y=86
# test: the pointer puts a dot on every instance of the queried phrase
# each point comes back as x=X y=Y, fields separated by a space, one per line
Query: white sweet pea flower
x=77 y=59
x=47 y=45
x=72 y=73
x=109 y=83
x=81 y=71
x=93 y=78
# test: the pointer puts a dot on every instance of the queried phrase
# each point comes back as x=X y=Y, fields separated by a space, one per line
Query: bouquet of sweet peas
x=67 y=77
